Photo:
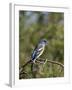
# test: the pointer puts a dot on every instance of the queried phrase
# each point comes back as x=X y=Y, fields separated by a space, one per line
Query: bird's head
x=43 y=41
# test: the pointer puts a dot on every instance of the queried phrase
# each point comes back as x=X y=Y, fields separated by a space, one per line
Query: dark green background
x=34 y=26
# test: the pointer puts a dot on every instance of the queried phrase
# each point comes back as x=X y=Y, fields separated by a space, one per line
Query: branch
x=22 y=67
x=39 y=60
x=30 y=61
x=54 y=62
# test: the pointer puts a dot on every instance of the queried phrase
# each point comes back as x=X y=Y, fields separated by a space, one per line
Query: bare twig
x=54 y=62
x=41 y=61
x=30 y=61
x=22 y=67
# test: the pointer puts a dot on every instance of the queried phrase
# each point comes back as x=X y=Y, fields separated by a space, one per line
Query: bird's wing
x=37 y=52
x=39 y=47
x=33 y=55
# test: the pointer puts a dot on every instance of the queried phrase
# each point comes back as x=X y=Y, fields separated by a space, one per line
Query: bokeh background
x=33 y=26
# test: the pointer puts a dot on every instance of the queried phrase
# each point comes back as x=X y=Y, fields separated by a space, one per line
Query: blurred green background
x=33 y=26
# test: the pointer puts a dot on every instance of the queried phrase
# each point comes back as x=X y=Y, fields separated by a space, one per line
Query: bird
x=39 y=49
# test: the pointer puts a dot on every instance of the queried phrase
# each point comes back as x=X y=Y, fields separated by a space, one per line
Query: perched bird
x=38 y=50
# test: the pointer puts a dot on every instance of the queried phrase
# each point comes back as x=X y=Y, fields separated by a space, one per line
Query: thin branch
x=22 y=67
x=40 y=60
x=30 y=61
x=54 y=62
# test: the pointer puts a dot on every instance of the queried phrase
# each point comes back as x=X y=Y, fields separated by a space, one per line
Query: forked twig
x=41 y=61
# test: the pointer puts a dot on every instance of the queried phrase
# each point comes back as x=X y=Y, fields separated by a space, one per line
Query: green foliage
x=34 y=26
